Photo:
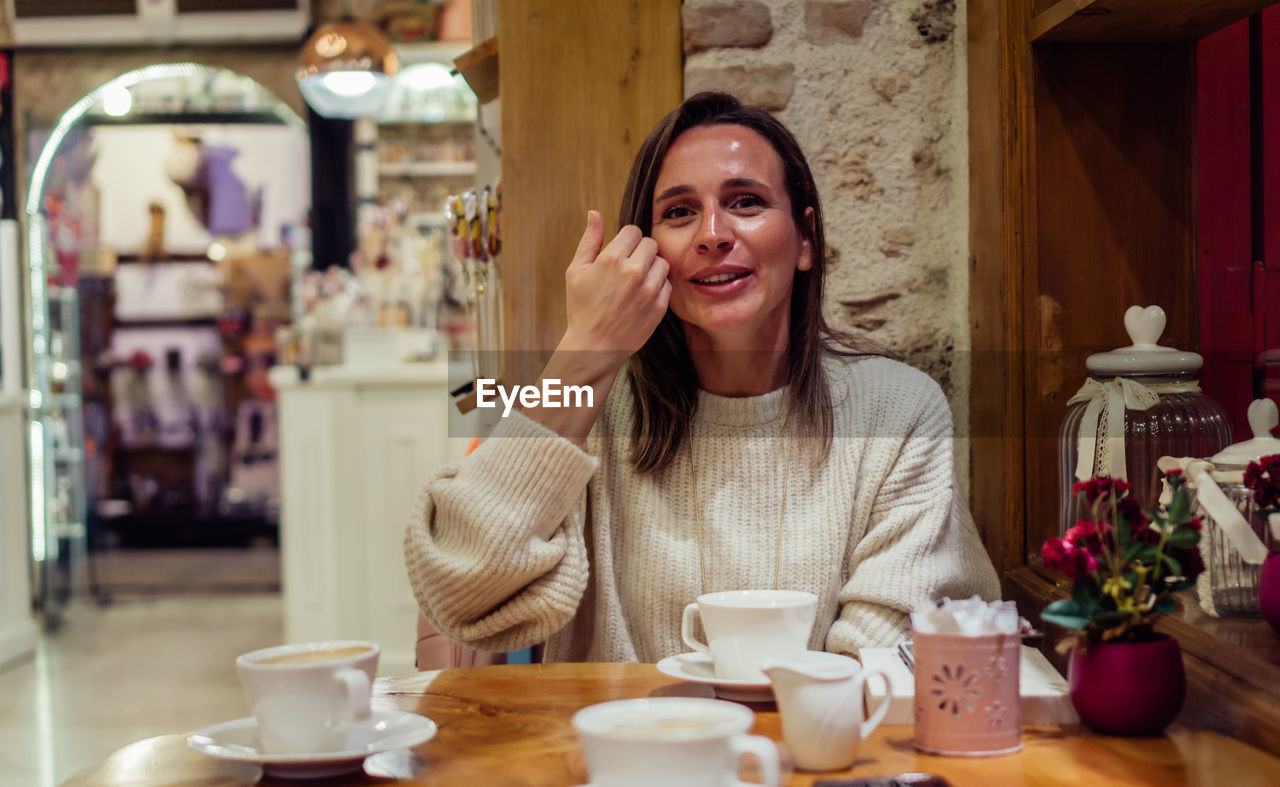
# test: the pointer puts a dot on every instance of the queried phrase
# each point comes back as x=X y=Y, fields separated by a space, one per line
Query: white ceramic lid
x=1144 y=356
x=1263 y=417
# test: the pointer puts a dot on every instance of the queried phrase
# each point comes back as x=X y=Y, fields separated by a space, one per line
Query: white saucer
x=238 y=740
x=736 y=784
x=697 y=668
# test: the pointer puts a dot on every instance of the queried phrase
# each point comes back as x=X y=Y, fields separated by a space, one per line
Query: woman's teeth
x=720 y=278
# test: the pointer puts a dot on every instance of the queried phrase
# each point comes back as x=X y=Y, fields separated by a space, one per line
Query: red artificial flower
x=1263 y=477
x=1063 y=556
x=1088 y=534
x=1132 y=513
x=1190 y=560
x=1095 y=488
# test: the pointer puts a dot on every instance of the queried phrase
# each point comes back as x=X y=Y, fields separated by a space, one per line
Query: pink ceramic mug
x=967 y=697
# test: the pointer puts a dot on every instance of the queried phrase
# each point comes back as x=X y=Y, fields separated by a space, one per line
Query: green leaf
x=1085 y=595
x=1106 y=619
x=1165 y=604
x=1148 y=555
x=1175 y=568
x=1123 y=534
x=1180 y=506
x=1183 y=538
x=1066 y=613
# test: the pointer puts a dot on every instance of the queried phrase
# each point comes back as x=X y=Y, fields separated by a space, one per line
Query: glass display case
x=59 y=508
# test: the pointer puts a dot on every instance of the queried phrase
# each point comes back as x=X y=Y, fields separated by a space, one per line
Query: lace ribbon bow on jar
x=1101 y=438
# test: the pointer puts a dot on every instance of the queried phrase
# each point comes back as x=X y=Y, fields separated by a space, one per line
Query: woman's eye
x=746 y=201
x=676 y=212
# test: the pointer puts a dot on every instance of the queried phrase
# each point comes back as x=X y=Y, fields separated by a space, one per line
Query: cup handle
x=686 y=629
x=765 y=752
x=877 y=716
x=358 y=692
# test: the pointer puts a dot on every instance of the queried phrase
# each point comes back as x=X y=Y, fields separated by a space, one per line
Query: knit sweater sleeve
x=495 y=549
x=920 y=542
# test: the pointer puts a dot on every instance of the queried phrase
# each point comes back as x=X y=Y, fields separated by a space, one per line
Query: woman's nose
x=714 y=231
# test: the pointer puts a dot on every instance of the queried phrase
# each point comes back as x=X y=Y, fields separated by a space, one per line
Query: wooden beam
x=1000 y=176
x=1114 y=21
x=582 y=82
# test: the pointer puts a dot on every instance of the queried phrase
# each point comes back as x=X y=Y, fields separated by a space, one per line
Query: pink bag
x=436 y=651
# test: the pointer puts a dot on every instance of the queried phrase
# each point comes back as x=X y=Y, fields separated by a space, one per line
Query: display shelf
x=430 y=52
x=426 y=168
x=171 y=322
x=185 y=118
x=426 y=219
x=1119 y=21
x=391 y=122
x=479 y=66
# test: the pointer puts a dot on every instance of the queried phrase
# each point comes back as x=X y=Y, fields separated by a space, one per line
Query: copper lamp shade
x=345 y=69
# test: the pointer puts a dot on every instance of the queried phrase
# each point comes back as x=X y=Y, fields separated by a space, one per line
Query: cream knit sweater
x=532 y=539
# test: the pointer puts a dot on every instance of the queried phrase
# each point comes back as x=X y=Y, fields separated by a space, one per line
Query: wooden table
x=510 y=725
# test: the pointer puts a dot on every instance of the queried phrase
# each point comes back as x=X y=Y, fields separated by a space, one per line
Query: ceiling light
x=345 y=69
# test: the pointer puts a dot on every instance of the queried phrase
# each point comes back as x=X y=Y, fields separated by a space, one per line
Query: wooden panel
x=1224 y=218
x=1000 y=126
x=1115 y=208
x=582 y=83
x=1098 y=21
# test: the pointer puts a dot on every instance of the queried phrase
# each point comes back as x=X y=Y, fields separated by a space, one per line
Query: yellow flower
x=1116 y=587
x=1130 y=605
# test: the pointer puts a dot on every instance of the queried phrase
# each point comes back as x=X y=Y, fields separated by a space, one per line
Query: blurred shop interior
x=211 y=211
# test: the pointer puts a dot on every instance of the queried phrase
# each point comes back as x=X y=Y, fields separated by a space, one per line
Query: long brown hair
x=664 y=384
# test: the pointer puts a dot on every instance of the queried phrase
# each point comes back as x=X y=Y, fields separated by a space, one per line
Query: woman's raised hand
x=616 y=295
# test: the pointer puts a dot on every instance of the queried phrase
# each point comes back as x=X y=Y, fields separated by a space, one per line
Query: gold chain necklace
x=782 y=510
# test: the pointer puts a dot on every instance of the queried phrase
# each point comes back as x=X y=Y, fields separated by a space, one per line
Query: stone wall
x=875 y=92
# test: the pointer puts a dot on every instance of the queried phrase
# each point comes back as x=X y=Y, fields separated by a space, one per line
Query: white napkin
x=971 y=617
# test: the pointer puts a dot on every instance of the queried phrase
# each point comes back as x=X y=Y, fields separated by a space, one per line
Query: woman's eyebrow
x=745 y=183
x=731 y=183
x=673 y=192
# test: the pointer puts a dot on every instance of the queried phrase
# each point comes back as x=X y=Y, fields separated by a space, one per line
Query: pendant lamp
x=345 y=69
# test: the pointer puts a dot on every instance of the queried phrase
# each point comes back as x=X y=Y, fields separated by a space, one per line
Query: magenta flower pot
x=1128 y=688
x=1269 y=590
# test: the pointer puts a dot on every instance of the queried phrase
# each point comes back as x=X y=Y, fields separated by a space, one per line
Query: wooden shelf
x=479 y=66
x=1120 y=21
x=1232 y=664
x=427 y=168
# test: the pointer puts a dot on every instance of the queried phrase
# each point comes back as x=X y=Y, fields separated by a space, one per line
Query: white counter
x=356 y=445
x=17 y=628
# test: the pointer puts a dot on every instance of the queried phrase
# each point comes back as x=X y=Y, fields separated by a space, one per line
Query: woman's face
x=722 y=221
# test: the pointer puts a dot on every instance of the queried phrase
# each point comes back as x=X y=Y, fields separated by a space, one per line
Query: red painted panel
x=1224 y=217
x=1269 y=68
x=1267 y=288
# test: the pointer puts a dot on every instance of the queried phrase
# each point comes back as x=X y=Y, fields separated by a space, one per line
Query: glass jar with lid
x=1139 y=403
x=1234 y=539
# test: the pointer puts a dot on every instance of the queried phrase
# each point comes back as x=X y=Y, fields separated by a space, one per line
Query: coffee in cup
x=310 y=698
x=746 y=628
x=671 y=741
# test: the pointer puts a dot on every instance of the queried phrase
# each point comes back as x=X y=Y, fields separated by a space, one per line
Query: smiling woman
x=595 y=529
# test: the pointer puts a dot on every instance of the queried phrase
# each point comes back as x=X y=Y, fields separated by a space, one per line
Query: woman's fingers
x=592 y=240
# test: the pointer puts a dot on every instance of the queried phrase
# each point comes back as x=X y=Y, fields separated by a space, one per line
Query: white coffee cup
x=311 y=697
x=672 y=742
x=745 y=628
